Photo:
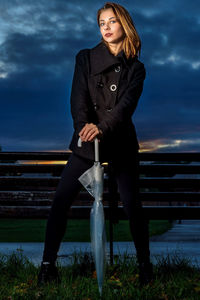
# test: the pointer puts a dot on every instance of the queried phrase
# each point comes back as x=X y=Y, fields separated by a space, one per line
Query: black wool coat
x=105 y=91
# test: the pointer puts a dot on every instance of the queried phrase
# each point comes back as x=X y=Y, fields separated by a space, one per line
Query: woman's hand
x=89 y=132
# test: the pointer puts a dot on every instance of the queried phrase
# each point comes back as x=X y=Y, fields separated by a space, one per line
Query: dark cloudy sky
x=38 y=43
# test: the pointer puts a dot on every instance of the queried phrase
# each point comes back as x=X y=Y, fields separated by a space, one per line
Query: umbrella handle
x=96 y=148
x=79 y=142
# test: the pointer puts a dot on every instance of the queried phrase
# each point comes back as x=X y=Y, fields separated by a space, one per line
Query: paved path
x=183 y=240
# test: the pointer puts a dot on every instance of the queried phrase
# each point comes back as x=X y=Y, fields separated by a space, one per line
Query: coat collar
x=101 y=58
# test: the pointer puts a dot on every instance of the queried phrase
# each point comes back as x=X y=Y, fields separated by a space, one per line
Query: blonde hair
x=131 y=43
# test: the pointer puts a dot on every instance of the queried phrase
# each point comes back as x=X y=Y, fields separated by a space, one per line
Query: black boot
x=48 y=272
x=145 y=273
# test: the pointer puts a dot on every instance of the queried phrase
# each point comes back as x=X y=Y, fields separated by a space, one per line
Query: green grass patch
x=28 y=230
x=174 y=279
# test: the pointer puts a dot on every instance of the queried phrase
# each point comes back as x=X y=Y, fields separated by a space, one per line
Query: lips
x=108 y=34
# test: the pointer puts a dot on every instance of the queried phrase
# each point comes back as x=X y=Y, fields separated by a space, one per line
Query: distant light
x=43 y=162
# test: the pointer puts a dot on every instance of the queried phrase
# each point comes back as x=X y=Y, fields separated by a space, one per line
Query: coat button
x=95 y=106
x=117 y=69
x=100 y=84
x=113 y=87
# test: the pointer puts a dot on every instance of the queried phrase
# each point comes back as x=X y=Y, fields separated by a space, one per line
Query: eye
x=112 y=21
x=101 y=24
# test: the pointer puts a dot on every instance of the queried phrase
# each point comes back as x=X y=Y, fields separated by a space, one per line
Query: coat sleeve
x=126 y=106
x=79 y=93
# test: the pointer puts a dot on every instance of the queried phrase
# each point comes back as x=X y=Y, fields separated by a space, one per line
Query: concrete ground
x=182 y=240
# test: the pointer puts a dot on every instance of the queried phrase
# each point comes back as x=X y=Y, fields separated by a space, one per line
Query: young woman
x=107 y=84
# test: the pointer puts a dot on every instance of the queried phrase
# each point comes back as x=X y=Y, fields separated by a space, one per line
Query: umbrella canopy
x=92 y=180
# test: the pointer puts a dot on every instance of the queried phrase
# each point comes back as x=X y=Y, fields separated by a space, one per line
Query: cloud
x=170 y=145
x=38 y=44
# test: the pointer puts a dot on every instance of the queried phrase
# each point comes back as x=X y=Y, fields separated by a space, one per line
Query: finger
x=83 y=129
x=84 y=132
x=87 y=126
x=88 y=129
x=90 y=134
x=92 y=137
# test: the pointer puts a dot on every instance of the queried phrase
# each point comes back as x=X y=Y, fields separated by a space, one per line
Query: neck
x=115 y=48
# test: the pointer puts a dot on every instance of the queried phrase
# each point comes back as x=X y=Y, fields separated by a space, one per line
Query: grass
x=28 y=230
x=174 y=279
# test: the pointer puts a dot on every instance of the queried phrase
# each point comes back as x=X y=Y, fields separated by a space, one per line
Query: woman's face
x=110 y=28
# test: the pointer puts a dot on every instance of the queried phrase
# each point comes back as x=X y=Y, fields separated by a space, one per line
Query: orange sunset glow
x=155 y=145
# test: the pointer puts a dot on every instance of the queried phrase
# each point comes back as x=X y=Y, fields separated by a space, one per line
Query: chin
x=111 y=40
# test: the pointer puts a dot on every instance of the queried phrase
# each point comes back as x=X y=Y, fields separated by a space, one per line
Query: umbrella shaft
x=96 y=149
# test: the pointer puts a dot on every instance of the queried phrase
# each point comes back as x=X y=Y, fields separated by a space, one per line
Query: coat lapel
x=101 y=59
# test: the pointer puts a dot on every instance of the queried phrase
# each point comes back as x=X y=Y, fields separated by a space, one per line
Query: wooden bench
x=169 y=187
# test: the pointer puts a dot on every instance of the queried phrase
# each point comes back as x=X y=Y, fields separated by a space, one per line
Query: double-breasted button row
x=117 y=69
x=113 y=87
x=100 y=84
x=96 y=107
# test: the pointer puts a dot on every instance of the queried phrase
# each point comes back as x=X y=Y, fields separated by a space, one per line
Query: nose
x=106 y=26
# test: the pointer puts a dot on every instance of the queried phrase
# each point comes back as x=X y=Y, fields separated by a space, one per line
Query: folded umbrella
x=92 y=180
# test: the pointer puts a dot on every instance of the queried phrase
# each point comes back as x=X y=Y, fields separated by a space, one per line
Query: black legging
x=126 y=175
